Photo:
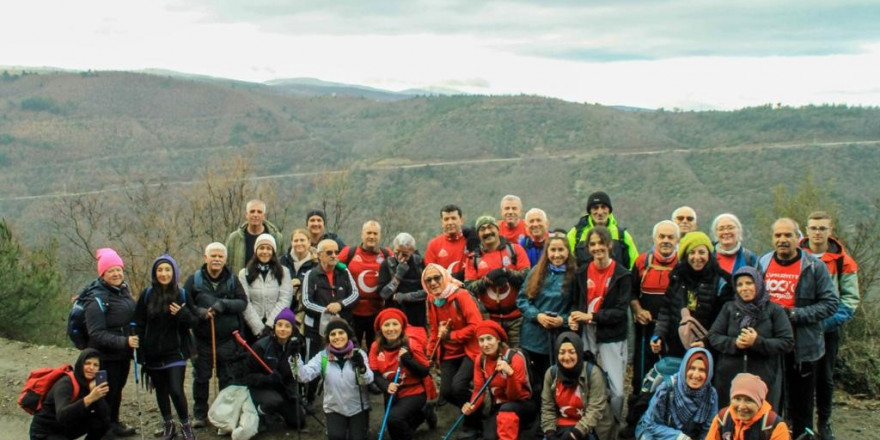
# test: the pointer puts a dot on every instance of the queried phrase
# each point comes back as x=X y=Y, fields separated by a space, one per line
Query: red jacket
x=514 y=234
x=500 y=303
x=447 y=252
x=503 y=388
x=364 y=268
x=386 y=361
x=464 y=316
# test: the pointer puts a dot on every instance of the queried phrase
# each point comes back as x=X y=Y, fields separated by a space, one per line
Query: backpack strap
x=768 y=424
x=511 y=253
x=323 y=363
x=352 y=250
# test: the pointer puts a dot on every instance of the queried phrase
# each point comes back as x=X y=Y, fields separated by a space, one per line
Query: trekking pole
x=477 y=397
x=436 y=346
x=806 y=435
x=244 y=344
x=137 y=389
x=214 y=377
x=390 y=399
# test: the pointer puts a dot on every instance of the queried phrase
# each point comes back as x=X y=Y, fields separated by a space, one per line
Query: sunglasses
x=328 y=253
x=682 y=218
x=434 y=279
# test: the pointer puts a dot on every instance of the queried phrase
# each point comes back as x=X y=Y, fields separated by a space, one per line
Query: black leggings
x=169 y=389
x=117 y=376
x=340 y=427
x=405 y=416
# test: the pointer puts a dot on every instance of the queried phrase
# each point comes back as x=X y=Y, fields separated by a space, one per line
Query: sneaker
x=169 y=430
x=187 y=430
x=123 y=430
x=198 y=422
x=825 y=432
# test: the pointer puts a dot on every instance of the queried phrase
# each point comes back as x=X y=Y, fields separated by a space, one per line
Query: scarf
x=689 y=404
x=557 y=269
x=664 y=260
x=733 y=251
x=341 y=352
x=264 y=269
x=751 y=310
x=450 y=285
x=569 y=376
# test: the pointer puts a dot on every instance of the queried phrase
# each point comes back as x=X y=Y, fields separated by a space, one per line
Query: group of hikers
x=528 y=330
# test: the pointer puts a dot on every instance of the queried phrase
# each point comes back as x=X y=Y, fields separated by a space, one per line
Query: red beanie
x=490 y=327
x=390 y=313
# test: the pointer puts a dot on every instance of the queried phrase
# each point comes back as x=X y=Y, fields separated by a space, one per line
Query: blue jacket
x=815 y=300
x=534 y=337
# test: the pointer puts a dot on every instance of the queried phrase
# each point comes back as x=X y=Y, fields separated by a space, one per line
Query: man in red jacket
x=495 y=273
x=512 y=227
x=449 y=248
x=363 y=262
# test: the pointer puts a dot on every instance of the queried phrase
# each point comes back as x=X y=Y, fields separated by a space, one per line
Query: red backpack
x=38 y=384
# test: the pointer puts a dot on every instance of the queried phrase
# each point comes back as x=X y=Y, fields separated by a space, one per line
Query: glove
x=550 y=435
x=498 y=276
x=218 y=307
x=295 y=344
x=357 y=361
x=275 y=377
x=402 y=269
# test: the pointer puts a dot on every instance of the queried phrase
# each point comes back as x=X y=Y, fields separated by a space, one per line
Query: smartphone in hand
x=101 y=377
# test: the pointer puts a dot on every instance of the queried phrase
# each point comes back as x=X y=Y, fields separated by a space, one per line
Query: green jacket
x=623 y=251
x=235 y=245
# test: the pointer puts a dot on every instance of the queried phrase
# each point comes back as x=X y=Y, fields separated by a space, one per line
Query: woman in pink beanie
x=109 y=311
x=749 y=415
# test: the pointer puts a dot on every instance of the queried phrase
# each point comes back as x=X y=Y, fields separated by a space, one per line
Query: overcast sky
x=691 y=54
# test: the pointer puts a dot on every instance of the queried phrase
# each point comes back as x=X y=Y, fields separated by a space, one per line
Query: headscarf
x=569 y=377
x=78 y=368
x=749 y=385
x=689 y=404
x=450 y=285
x=751 y=310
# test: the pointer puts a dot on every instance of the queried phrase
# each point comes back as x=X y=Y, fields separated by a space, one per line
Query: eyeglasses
x=682 y=218
x=434 y=279
x=818 y=228
x=329 y=253
x=726 y=228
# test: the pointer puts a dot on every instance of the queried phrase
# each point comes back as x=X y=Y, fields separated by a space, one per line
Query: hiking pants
x=825 y=377
x=169 y=389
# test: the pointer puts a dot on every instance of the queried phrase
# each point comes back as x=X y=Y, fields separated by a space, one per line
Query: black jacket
x=110 y=328
x=164 y=338
x=66 y=414
x=277 y=358
x=318 y=293
x=225 y=295
x=709 y=295
x=411 y=295
x=764 y=358
x=610 y=319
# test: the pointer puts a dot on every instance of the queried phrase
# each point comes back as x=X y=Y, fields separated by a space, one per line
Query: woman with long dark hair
x=267 y=286
x=164 y=318
x=601 y=296
x=545 y=302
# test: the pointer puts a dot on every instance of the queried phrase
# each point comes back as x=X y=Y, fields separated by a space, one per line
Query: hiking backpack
x=662 y=371
x=77 y=331
x=726 y=424
x=38 y=384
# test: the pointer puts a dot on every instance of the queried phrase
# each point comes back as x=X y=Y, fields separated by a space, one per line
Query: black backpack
x=77 y=331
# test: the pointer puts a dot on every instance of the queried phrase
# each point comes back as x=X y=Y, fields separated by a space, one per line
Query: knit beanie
x=692 y=240
x=490 y=327
x=390 y=313
x=107 y=258
x=749 y=385
x=315 y=212
x=165 y=258
x=484 y=220
x=597 y=198
x=265 y=239
x=339 y=323
x=287 y=315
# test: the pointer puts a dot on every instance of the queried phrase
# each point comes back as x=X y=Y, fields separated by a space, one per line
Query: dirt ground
x=854 y=419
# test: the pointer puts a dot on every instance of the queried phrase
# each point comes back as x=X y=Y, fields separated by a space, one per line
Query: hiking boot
x=466 y=433
x=430 y=416
x=169 y=431
x=198 y=422
x=123 y=430
x=825 y=432
x=187 y=430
